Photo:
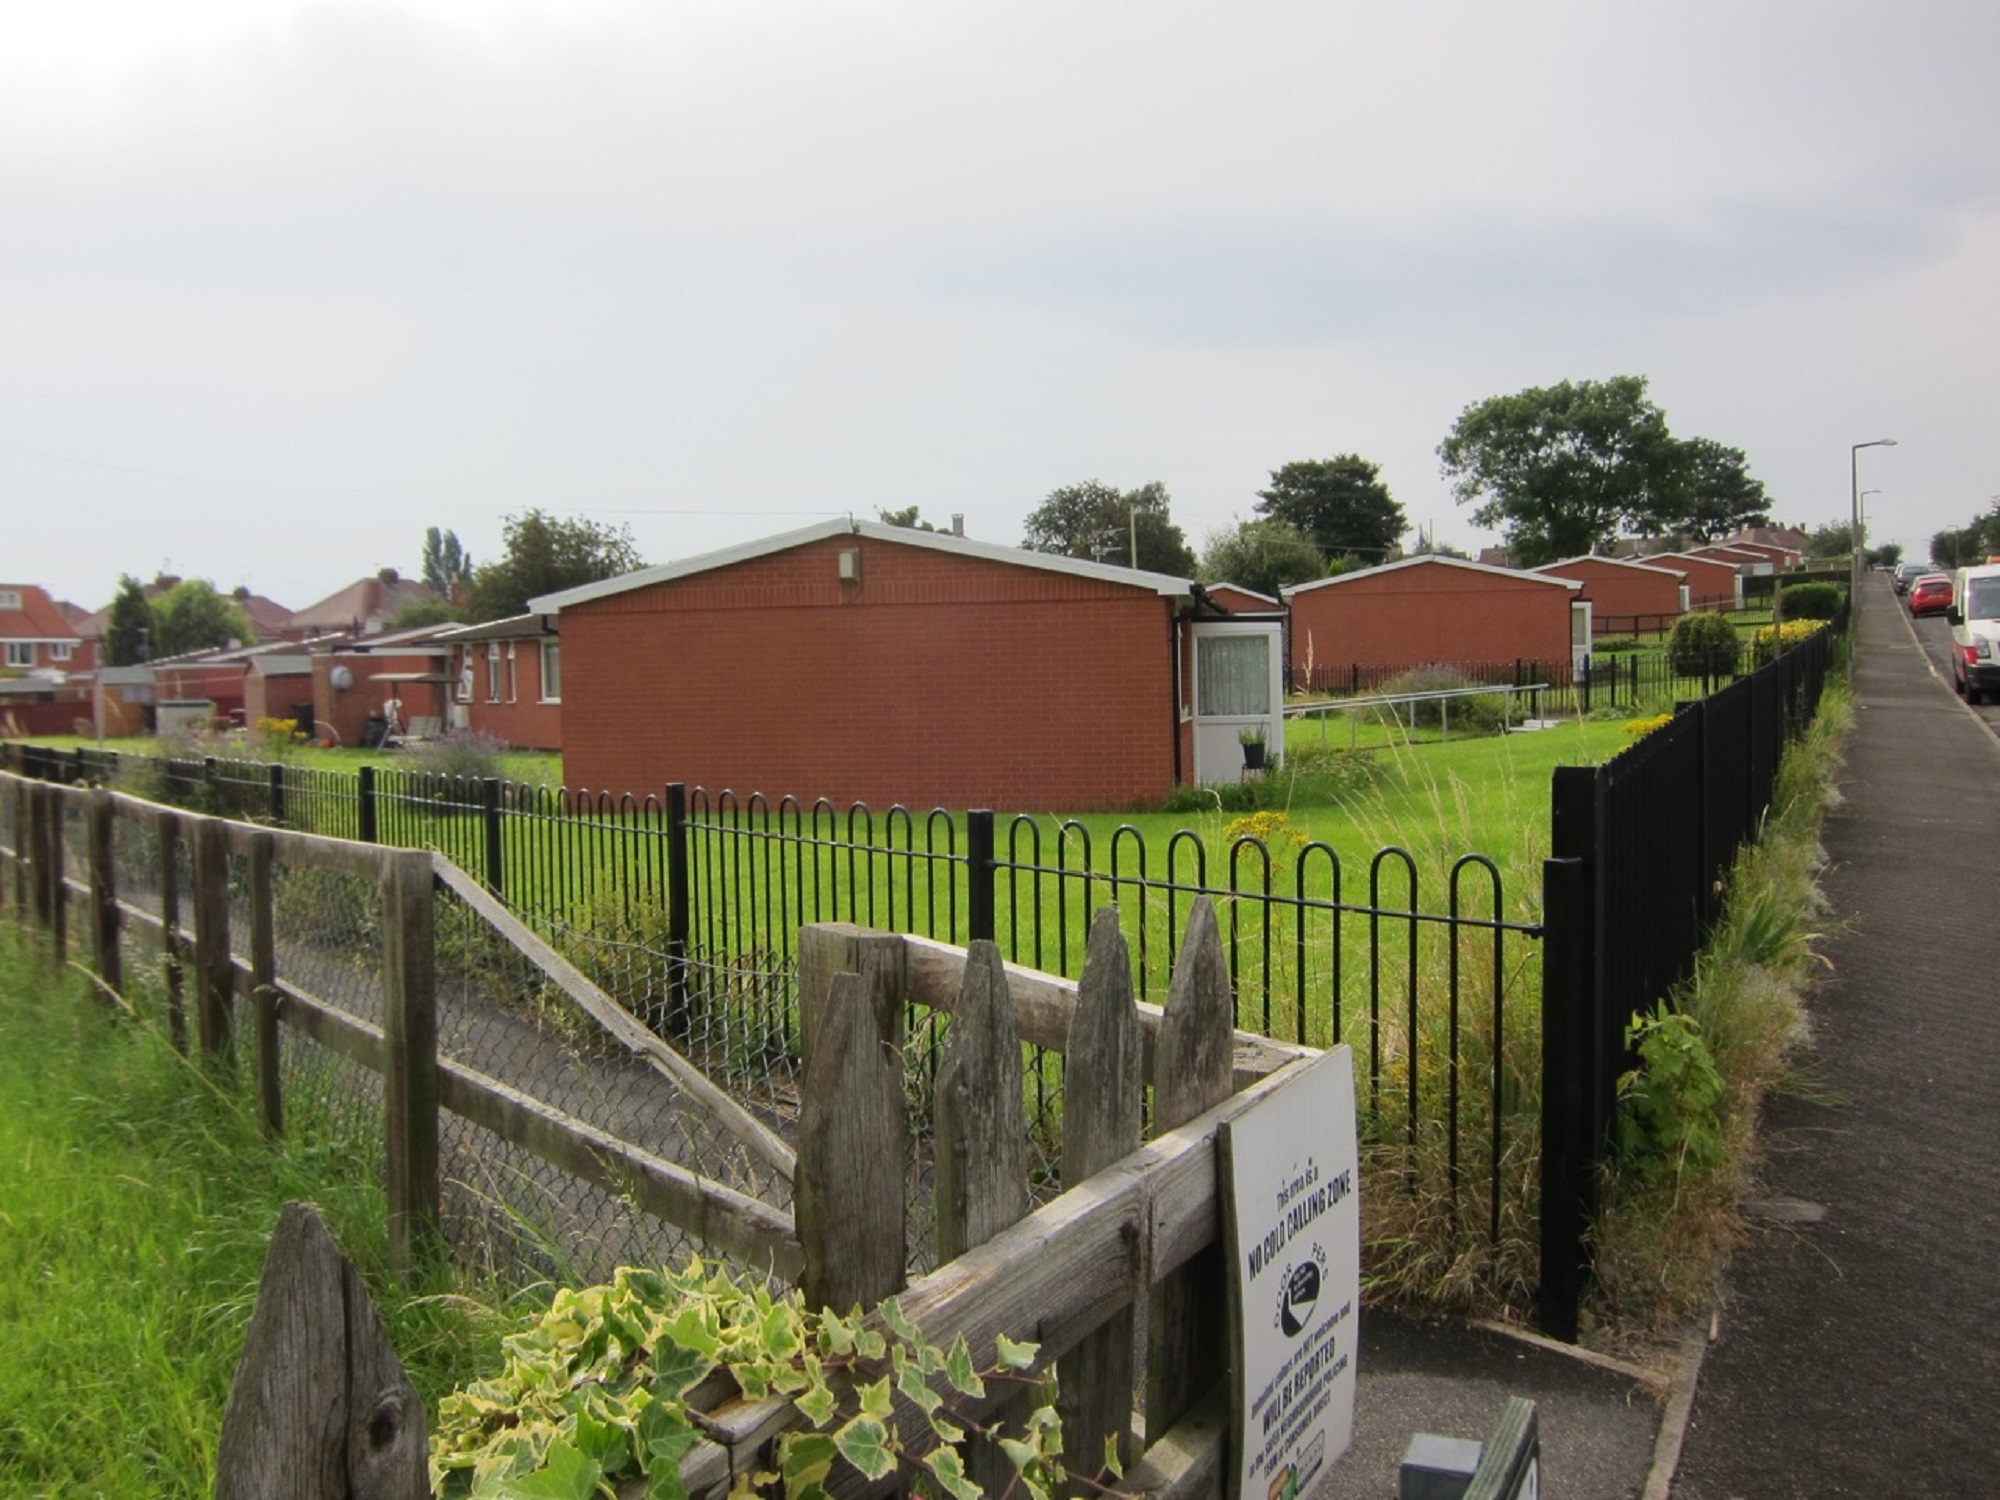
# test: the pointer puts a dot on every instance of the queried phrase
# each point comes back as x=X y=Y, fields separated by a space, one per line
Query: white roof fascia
x=1616 y=562
x=1164 y=584
x=1432 y=558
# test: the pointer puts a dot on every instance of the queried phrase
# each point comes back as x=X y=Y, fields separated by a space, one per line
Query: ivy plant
x=596 y=1394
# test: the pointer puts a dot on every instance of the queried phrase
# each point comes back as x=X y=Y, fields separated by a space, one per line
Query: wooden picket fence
x=1138 y=1221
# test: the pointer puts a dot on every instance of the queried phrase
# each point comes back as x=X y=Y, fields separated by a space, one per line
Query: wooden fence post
x=1104 y=1087
x=1192 y=1074
x=263 y=983
x=981 y=1131
x=827 y=949
x=168 y=827
x=320 y=1408
x=104 y=893
x=409 y=1029
x=55 y=890
x=847 y=1197
x=215 y=978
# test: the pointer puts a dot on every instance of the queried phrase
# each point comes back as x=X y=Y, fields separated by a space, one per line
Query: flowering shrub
x=1269 y=828
x=1773 y=641
x=1638 y=728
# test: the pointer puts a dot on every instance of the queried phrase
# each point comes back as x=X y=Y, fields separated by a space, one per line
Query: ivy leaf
x=665 y=1435
x=1013 y=1356
x=1113 y=1465
x=807 y=1460
x=870 y=1344
x=778 y=1332
x=876 y=1400
x=690 y=1330
x=948 y=1469
x=1018 y=1453
x=817 y=1406
x=677 y=1369
x=864 y=1442
x=958 y=1369
x=836 y=1335
x=565 y=1475
x=665 y=1484
x=902 y=1327
x=910 y=1381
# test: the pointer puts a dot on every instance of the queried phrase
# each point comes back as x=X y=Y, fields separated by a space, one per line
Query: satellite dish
x=343 y=679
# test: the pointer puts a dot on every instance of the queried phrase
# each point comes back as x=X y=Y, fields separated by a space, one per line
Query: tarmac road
x=1934 y=635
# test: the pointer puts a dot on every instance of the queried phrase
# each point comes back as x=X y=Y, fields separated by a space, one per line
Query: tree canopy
x=193 y=616
x=1100 y=523
x=447 y=567
x=544 y=554
x=907 y=518
x=1266 y=556
x=128 y=633
x=1560 y=469
x=1340 y=503
x=1717 y=494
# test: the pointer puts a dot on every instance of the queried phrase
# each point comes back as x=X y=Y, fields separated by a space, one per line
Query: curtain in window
x=1234 y=672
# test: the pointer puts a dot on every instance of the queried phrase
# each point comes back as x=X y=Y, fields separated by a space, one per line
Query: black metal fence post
x=277 y=780
x=1573 y=1132
x=677 y=908
x=364 y=791
x=979 y=884
x=489 y=807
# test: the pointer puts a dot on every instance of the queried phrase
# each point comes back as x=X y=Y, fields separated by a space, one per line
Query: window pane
x=1234 y=672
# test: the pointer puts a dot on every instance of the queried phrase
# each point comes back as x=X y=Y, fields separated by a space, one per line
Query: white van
x=1975 y=632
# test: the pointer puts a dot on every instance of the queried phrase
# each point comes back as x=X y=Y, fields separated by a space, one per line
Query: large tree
x=1266 y=556
x=1096 y=521
x=193 y=616
x=544 y=554
x=1341 y=503
x=1714 y=494
x=1560 y=469
x=447 y=565
x=907 y=518
x=128 y=633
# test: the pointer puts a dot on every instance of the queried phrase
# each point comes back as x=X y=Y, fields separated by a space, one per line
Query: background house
x=856 y=661
x=1626 y=598
x=353 y=682
x=506 y=681
x=1713 y=582
x=1431 y=610
x=363 y=608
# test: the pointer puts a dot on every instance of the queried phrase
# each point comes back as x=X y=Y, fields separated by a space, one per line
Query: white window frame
x=492 y=671
x=61 y=650
x=512 y=684
x=464 y=674
x=551 y=658
x=20 y=653
x=10 y=598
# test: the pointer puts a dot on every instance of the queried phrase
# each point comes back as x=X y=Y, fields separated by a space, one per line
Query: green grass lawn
x=135 y=1204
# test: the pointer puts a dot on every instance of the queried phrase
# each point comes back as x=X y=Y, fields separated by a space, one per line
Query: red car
x=1930 y=595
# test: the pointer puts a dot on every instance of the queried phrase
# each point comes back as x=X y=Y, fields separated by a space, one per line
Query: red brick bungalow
x=212 y=677
x=507 y=681
x=1713 y=582
x=1432 y=610
x=1626 y=598
x=354 y=681
x=857 y=661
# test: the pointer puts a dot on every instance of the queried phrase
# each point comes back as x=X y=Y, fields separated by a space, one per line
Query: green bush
x=1704 y=644
x=1608 y=644
x=1812 y=601
x=1485 y=714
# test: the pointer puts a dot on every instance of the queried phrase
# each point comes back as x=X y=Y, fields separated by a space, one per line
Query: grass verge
x=136 y=1200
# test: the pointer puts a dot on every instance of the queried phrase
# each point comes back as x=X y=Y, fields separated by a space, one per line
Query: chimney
x=387 y=575
x=958 y=523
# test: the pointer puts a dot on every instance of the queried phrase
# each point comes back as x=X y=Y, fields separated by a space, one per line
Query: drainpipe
x=1174 y=684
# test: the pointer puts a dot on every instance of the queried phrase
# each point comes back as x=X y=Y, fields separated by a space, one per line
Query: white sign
x=1292 y=1231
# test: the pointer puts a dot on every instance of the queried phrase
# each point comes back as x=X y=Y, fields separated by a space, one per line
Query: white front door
x=1238 y=685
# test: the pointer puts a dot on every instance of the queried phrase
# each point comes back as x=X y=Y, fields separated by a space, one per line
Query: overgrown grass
x=1669 y=1219
x=135 y=1204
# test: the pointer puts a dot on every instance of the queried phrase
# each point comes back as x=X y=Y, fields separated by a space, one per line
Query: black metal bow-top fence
x=1639 y=847
x=1494 y=1077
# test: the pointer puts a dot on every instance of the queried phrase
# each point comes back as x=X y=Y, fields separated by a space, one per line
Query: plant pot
x=1253 y=755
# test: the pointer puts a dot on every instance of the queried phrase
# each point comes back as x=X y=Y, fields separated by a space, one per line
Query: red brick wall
x=519 y=717
x=346 y=710
x=1709 y=582
x=221 y=684
x=266 y=697
x=1616 y=594
x=1428 y=613
x=936 y=680
x=1241 y=601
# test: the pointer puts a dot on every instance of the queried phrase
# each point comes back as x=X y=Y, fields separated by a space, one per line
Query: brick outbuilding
x=857 y=661
x=1626 y=598
x=1432 y=610
x=506 y=681
x=1713 y=582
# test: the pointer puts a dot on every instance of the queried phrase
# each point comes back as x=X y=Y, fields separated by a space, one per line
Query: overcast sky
x=282 y=284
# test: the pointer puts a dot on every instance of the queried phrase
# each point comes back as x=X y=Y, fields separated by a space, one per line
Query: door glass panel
x=1234 y=673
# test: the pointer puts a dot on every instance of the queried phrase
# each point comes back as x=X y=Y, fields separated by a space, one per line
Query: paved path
x=1860 y=1350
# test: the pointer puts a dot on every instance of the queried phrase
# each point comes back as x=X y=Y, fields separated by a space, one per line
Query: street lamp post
x=1854 y=521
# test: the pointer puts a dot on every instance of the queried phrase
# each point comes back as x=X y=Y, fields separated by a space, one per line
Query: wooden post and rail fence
x=1138 y=1220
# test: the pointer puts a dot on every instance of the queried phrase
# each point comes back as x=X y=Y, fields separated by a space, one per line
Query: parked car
x=1975 y=632
x=1930 y=595
x=1908 y=573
